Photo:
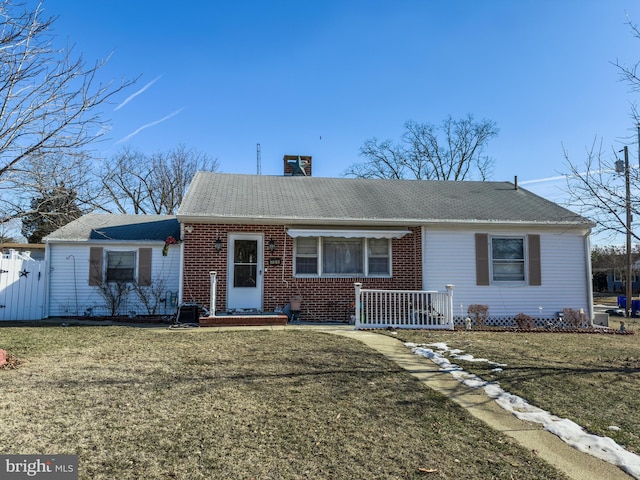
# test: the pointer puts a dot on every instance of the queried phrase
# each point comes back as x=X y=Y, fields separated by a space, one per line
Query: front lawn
x=592 y=379
x=160 y=404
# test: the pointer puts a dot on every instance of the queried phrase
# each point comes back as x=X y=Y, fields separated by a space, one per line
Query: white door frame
x=247 y=292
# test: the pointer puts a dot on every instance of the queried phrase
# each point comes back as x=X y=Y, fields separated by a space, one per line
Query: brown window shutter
x=482 y=259
x=535 y=270
x=144 y=267
x=95 y=266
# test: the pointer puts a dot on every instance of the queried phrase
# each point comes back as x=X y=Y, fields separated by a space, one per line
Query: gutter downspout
x=590 y=307
x=181 y=282
x=47 y=271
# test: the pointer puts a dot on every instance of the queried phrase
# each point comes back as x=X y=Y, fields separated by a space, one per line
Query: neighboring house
x=270 y=238
x=33 y=250
x=613 y=279
x=104 y=264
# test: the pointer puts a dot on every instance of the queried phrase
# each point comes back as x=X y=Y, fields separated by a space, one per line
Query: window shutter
x=535 y=270
x=95 y=266
x=482 y=259
x=144 y=267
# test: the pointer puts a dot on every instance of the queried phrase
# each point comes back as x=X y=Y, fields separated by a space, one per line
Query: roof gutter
x=75 y=241
x=415 y=222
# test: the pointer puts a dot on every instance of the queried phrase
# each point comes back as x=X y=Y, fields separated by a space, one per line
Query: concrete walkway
x=575 y=464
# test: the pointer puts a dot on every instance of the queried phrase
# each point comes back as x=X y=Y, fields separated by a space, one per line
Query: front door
x=244 y=290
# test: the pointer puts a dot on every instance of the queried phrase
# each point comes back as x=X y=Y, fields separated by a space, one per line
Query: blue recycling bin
x=622 y=301
x=635 y=305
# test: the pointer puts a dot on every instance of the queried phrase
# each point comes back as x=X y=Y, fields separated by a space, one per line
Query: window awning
x=313 y=232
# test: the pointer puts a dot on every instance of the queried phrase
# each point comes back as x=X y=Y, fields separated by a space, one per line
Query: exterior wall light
x=272 y=245
x=218 y=244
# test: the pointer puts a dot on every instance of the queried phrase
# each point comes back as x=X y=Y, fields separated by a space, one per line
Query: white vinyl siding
x=449 y=258
x=70 y=294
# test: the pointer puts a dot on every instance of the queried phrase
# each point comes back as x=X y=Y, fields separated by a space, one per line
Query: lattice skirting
x=509 y=322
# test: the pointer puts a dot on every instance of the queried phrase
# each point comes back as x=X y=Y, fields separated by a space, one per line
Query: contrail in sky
x=134 y=95
x=128 y=137
x=541 y=180
x=565 y=176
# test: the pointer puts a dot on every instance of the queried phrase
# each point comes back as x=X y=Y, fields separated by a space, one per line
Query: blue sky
x=320 y=77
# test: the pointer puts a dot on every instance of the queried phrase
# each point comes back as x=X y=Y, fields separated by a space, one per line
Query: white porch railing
x=404 y=308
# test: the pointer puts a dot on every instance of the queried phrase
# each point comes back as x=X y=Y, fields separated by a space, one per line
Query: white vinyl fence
x=404 y=308
x=22 y=286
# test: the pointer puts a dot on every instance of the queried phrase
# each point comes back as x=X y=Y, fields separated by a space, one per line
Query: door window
x=245 y=263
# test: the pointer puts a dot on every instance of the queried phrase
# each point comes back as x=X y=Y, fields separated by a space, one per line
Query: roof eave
x=104 y=240
x=374 y=221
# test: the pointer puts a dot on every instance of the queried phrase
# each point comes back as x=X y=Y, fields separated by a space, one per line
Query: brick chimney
x=297 y=165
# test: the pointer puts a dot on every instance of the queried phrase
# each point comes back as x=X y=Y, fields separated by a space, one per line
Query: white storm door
x=244 y=288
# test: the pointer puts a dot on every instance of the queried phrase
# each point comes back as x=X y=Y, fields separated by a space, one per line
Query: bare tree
x=49 y=98
x=595 y=187
x=629 y=73
x=151 y=184
x=597 y=191
x=453 y=151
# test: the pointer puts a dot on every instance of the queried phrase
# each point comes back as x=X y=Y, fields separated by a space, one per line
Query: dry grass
x=591 y=379
x=160 y=404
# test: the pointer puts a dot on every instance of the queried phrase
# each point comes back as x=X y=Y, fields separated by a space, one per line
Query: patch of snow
x=570 y=432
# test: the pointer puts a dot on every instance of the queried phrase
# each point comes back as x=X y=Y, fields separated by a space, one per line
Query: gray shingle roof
x=223 y=197
x=96 y=226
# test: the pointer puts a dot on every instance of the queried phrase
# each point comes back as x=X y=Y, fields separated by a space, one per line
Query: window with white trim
x=379 y=253
x=121 y=266
x=620 y=276
x=343 y=257
x=306 y=256
x=508 y=259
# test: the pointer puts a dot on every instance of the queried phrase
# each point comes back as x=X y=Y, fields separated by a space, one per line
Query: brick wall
x=322 y=298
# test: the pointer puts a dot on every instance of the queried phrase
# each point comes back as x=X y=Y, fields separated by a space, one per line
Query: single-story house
x=271 y=238
x=113 y=264
x=33 y=250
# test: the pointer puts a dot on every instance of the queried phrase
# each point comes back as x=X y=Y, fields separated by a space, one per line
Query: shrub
x=479 y=313
x=573 y=318
x=153 y=295
x=114 y=295
x=524 y=321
